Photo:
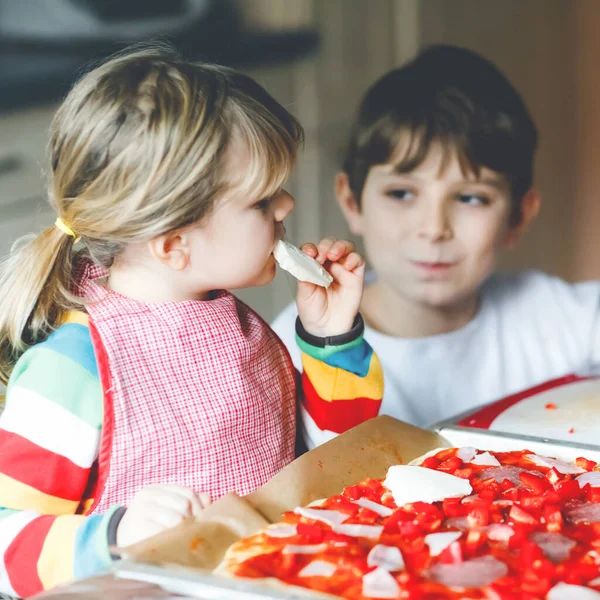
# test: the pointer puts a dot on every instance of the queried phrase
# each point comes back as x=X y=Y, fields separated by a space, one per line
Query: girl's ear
x=530 y=208
x=348 y=203
x=171 y=249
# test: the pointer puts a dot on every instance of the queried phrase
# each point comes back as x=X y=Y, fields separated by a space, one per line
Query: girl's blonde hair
x=136 y=150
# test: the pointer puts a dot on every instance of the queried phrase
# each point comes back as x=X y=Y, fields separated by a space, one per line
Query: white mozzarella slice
x=555 y=546
x=281 y=530
x=318 y=568
x=304 y=548
x=593 y=478
x=418 y=484
x=301 y=266
x=330 y=517
x=380 y=509
x=380 y=584
x=476 y=573
x=568 y=591
x=387 y=557
x=466 y=453
x=438 y=542
x=485 y=458
x=561 y=466
x=357 y=530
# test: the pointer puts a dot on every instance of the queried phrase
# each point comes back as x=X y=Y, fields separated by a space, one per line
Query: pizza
x=459 y=523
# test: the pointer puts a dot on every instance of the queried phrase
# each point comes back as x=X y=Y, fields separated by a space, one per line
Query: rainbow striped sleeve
x=49 y=441
x=342 y=383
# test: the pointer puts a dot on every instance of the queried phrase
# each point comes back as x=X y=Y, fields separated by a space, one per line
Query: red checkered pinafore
x=199 y=394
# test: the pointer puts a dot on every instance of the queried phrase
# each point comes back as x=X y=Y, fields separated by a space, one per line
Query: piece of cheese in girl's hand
x=301 y=266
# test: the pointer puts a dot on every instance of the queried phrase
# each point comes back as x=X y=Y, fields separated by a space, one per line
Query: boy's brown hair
x=451 y=96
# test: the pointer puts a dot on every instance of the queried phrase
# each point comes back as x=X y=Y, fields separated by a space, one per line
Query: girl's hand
x=156 y=508
x=328 y=312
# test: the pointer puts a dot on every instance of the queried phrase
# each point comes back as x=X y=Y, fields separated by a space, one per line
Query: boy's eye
x=400 y=194
x=473 y=199
x=263 y=204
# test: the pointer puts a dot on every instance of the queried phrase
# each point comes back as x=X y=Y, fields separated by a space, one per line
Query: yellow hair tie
x=66 y=229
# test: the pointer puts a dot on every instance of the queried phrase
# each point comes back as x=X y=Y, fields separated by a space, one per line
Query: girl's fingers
x=340 y=249
x=353 y=261
x=324 y=247
x=310 y=250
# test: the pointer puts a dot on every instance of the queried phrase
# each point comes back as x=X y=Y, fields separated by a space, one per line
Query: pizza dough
x=301 y=266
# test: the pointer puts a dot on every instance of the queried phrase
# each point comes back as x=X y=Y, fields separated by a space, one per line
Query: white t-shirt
x=530 y=328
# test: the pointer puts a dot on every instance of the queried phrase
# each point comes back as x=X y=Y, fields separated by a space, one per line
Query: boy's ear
x=348 y=204
x=530 y=207
x=171 y=249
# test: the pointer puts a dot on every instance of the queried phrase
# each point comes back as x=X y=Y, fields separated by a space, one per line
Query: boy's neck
x=392 y=314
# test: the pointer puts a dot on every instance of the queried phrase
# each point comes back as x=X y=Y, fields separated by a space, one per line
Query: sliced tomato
x=478 y=514
x=511 y=493
x=586 y=464
x=518 y=515
x=568 y=489
x=534 y=482
x=452 y=507
x=353 y=492
x=464 y=472
x=331 y=536
x=311 y=533
x=344 y=505
x=452 y=555
x=409 y=529
x=450 y=465
x=431 y=462
x=475 y=539
x=553 y=517
x=553 y=476
x=367 y=516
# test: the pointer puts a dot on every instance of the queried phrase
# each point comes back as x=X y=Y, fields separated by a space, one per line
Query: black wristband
x=111 y=530
x=358 y=328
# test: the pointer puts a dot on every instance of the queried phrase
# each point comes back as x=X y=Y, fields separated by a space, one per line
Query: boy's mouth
x=433 y=267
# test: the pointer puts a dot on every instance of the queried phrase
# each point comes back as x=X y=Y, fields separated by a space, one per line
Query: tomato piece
x=450 y=465
x=431 y=462
x=409 y=529
x=312 y=533
x=553 y=517
x=331 y=536
x=553 y=476
x=452 y=507
x=593 y=494
x=586 y=464
x=353 y=492
x=511 y=494
x=579 y=572
x=568 y=489
x=367 y=516
x=390 y=524
x=345 y=505
x=464 y=472
x=452 y=555
x=532 y=502
x=518 y=515
x=530 y=553
x=534 y=482
x=478 y=514
x=475 y=539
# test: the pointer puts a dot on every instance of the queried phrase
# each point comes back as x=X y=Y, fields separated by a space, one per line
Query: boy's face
x=433 y=235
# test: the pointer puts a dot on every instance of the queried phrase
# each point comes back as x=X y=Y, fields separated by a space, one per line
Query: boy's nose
x=435 y=224
x=283 y=205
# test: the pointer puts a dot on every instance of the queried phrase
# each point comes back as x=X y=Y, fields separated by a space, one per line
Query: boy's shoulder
x=539 y=291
